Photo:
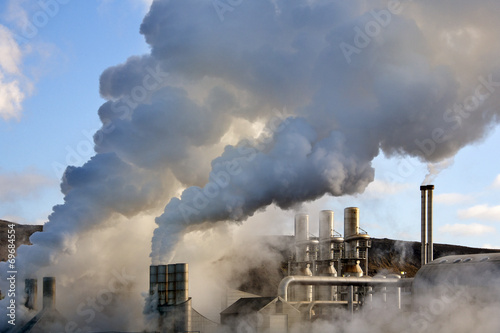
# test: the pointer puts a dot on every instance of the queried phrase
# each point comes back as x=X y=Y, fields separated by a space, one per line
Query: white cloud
x=380 y=187
x=489 y=246
x=13 y=84
x=474 y=229
x=482 y=212
x=17 y=186
x=496 y=182
x=452 y=198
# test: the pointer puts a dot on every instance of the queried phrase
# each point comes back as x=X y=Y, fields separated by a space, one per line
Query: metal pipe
x=337 y=281
x=398 y=290
x=430 y=244
x=350 y=299
x=366 y=262
x=49 y=292
x=423 y=241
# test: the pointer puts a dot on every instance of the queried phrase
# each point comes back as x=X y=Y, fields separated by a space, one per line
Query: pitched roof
x=248 y=305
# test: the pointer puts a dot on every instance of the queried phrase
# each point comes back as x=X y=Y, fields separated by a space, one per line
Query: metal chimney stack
x=423 y=223
x=49 y=293
x=427 y=244
x=430 y=243
x=31 y=289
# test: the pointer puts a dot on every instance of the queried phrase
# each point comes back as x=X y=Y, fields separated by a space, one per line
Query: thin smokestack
x=49 y=293
x=430 y=246
x=31 y=289
x=423 y=220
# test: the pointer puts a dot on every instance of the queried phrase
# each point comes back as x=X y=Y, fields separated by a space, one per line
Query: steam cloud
x=418 y=85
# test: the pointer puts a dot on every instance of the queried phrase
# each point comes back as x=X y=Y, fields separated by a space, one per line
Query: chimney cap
x=423 y=187
x=430 y=187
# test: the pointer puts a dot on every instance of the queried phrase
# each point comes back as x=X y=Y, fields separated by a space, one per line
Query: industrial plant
x=326 y=278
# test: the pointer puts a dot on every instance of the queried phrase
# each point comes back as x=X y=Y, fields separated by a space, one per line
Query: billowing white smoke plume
x=355 y=78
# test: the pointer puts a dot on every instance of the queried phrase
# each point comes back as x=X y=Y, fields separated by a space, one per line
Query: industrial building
x=326 y=275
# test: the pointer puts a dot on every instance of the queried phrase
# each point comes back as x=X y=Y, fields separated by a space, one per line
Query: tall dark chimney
x=427 y=243
x=49 y=292
x=31 y=290
x=430 y=244
x=423 y=221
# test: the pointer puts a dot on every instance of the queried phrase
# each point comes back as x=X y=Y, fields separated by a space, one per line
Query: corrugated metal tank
x=181 y=283
x=162 y=284
x=153 y=279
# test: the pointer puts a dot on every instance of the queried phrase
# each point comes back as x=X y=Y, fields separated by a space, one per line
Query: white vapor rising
x=354 y=78
x=358 y=77
x=14 y=86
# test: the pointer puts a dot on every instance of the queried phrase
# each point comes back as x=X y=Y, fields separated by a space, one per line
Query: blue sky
x=57 y=70
x=58 y=115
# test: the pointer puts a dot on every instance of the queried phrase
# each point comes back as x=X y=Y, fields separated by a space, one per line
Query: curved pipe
x=337 y=281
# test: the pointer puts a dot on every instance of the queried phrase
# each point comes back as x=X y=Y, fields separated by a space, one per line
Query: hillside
x=23 y=233
x=385 y=256
x=397 y=256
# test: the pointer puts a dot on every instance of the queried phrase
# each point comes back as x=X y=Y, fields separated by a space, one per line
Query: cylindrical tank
x=351 y=222
x=49 y=292
x=327 y=293
x=302 y=237
x=351 y=229
x=31 y=289
x=325 y=225
x=301 y=227
x=181 y=283
x=303 y=293
x=325 y=234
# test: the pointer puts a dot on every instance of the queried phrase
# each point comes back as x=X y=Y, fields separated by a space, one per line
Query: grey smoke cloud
x=395 y=95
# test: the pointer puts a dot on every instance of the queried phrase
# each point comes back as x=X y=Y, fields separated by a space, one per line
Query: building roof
x=44 y=320
x=248 y=305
